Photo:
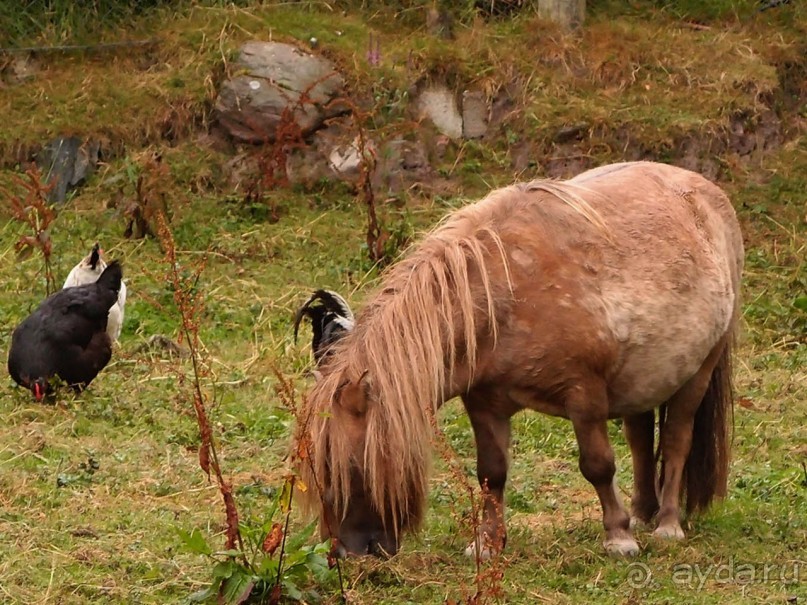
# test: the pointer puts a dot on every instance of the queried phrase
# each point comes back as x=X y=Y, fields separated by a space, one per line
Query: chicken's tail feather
x=111 y=277
x=320 y=303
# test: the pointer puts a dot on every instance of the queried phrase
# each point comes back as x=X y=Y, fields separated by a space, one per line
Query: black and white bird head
x=88 y=269
x=331 y=318
x=95 y=256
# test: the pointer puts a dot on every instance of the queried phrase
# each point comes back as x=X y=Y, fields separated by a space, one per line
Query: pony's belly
x=647 y=381
x=528 y=399
x=659 y=351
x=627 y=402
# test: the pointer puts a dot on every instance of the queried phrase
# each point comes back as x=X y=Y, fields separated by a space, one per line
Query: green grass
x=93 y=488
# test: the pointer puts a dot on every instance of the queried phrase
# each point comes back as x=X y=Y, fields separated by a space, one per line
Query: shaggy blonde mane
x=423 y=323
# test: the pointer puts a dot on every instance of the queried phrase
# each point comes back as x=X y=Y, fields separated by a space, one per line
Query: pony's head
x=357 y=525
x=370 y=490
x=367 y=481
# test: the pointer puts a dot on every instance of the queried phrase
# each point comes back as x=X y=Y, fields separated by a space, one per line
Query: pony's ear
x=351 y=396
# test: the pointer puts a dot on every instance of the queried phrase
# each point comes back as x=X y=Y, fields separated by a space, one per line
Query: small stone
x=474 y=114
x=19 y=69
x=437 y=103
x=346 y=160
x=573 y=132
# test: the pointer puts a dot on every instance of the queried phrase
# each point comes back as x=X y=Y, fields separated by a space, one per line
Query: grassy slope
x=108 y=536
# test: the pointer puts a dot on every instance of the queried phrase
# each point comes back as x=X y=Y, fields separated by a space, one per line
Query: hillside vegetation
x=95 y=489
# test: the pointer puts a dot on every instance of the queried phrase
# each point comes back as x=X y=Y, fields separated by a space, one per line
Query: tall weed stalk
x=31 y=209
x=259 y=564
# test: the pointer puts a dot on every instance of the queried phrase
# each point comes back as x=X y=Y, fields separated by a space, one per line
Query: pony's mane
x=569 y=193
x=425 y=319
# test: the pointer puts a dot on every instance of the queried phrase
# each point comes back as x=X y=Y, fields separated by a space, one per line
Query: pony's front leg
x=492 y=434
x=589 y=418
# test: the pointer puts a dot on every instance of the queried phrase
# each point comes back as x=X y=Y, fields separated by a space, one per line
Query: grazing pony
x=605 y=296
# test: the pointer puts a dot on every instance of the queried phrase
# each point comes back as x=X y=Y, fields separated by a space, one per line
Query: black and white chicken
x=331 y=318
x=87 y=271
x=66 y=336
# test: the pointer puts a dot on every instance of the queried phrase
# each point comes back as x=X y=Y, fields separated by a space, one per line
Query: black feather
x=66 y=335
x=95 y=255
x=331 y=318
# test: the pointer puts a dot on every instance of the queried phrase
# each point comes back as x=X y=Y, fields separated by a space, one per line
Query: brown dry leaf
x=233 y=533
x=273 y=539
x=204 y=458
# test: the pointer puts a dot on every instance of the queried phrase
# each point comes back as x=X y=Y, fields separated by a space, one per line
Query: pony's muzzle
x=381 y=546
x=381 y=550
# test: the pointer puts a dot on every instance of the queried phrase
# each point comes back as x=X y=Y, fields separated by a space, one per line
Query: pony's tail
x=707 y=466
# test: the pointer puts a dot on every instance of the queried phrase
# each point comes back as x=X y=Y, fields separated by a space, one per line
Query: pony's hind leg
x=492 y=435
x=639 y=431
x=589 y=415
x=676 y=441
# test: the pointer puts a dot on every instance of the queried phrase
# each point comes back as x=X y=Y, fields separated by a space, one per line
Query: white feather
x=83 y=274
x=344 y=308
x=346 y=323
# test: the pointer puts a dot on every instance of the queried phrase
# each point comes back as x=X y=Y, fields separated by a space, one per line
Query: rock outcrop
x=271 y=80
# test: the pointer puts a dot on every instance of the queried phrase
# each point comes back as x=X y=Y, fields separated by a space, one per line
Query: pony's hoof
x=490 y=546
x=669 y=532
x=621 y=547
x=484 y=555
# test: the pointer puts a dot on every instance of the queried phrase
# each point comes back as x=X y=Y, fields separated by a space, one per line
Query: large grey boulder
x=271 y=78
